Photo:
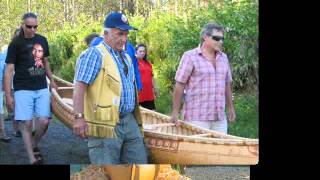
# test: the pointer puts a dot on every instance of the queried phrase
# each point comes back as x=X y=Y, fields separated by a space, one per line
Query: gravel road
x=61 y=146
x=58 y=146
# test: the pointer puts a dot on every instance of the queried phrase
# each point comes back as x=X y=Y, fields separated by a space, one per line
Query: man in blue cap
x=131 y=51
x=106 y=109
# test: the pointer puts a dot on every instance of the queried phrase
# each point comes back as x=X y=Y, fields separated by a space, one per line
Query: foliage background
x=167 y=27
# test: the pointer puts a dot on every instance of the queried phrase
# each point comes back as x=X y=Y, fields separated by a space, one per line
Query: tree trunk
x=137 y=7
x=176 y=7
x=64 y=11
x=131 y=7
x=121 y=5
x=73 y=14
x=8 y=13
x=8 y=8
x=35 y=10
x=29 y=5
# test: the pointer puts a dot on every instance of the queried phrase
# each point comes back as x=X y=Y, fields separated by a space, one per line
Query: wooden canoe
x=170 y=144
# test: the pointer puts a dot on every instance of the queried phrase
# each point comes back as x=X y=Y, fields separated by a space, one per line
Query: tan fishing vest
x=102 y=98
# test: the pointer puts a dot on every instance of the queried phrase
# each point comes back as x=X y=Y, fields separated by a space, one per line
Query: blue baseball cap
x=117 y=20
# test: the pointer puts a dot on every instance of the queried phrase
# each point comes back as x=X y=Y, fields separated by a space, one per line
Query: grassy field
x=246 y=107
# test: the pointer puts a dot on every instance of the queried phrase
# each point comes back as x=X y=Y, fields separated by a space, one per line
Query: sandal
x=38 y=162
x=5 y=139
x=37 y=154
x=39 y=159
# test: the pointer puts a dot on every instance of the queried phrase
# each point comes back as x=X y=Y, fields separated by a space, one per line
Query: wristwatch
x=78 y=115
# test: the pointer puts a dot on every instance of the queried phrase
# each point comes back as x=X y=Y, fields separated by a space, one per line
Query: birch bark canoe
x=170 y=144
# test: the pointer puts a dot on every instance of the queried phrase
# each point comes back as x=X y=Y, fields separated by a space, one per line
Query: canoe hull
x=62 y=110
x=168 y=144
x=179 y=152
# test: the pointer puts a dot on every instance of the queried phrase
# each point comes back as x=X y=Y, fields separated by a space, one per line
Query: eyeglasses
x=30 y=27
x=217 y=38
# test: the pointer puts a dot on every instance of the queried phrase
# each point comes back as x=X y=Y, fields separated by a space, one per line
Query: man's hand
x=53 y=85
x=231 y=115
x=174 y=119
x=80 y=128
x=10 y=103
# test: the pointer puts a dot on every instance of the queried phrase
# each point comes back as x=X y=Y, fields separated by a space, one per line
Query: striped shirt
x=88 y=67
x=205 y=85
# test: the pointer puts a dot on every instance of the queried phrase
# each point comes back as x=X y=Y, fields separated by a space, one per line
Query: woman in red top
x=149 y=90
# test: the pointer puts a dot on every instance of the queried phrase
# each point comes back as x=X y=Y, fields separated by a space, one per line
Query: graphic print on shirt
x=38 y=68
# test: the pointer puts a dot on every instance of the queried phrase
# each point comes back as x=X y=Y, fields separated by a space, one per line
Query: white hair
x=107 y=29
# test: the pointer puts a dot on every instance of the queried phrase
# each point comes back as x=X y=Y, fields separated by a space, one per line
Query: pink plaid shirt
x=205 y=85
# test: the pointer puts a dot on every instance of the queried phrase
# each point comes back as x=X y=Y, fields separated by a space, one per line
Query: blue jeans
x=127 y=148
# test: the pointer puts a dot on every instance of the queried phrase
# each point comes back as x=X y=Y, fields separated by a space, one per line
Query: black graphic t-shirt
x=27 y=56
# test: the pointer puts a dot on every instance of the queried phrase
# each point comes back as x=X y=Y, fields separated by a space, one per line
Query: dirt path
x=58 y=146
x=218 y=172
x=61 y=146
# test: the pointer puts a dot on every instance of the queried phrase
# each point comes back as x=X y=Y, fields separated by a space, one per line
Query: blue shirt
x=89 y=65
x=96 y=41
x=130 y=50
x=3 y=56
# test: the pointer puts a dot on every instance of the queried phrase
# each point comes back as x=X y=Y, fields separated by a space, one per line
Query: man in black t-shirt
x=28 y=56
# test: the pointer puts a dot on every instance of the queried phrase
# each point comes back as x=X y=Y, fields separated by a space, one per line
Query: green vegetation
x=246 y=125
x=168 y=28
x=246 y=107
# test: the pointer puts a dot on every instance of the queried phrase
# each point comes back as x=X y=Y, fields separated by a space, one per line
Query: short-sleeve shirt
x=145 y=69
x=130 y=50
x=22 y=53
x=205 y=85
x=88 y=67
x=2 y=67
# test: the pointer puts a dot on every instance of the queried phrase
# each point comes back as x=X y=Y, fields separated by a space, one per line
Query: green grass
x=246 y=107
x=246 y=124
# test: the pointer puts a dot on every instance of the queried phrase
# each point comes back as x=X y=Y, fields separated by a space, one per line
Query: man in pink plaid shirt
x=205 y=76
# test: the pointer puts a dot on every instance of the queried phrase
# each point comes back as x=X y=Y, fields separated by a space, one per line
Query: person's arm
x=7 y=86
x=155 y=88
x=231 y=111
x=80 y=126
x=49 y=73
x=88 y=66
x=182 y=75
x=176 y=101
x=3 y=73
x=137 y=72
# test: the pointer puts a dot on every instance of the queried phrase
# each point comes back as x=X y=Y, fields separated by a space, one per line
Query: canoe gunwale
x=193 y=127
x=204 y=140
x=61 y=81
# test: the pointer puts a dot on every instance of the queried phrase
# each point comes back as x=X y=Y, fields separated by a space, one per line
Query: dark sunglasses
x=30 y=27
x=217 y=38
